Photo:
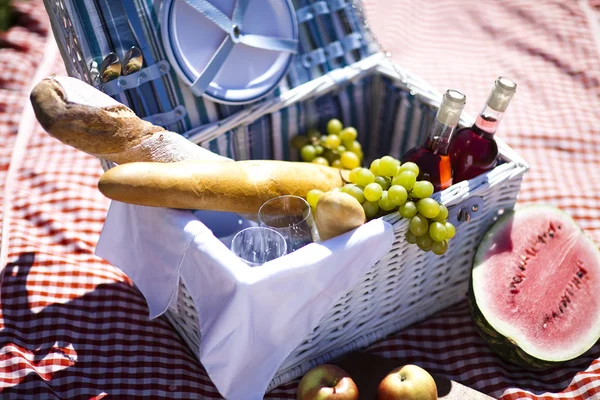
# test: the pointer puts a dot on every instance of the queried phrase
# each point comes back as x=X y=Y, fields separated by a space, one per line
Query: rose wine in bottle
x=432 y=157
x=473 y=150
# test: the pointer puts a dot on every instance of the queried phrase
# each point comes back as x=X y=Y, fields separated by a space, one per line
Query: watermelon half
x=535 y=288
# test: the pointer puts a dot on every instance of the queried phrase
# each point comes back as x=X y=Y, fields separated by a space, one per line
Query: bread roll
x=338 y=213
x=241 y=186
x=83 y=117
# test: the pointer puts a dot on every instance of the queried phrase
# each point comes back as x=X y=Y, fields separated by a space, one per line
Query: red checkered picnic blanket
x=72 y=326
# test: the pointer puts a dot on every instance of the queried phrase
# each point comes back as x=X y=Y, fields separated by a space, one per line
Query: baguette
x=81 y=116
x=241 y=186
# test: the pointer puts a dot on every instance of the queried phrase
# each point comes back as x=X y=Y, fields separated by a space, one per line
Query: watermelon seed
x=551 y=233
x=517 y=279
x=554 y=314
x=560 y=308
x=541 y=239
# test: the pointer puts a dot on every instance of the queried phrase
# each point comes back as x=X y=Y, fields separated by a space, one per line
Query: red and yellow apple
x=327 y=382
x=409 y=382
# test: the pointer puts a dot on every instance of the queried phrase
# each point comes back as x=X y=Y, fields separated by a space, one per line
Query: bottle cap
x=452 y=105
x=503 y=91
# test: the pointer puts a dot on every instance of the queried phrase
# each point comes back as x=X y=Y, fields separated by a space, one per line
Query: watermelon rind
x=499 y=337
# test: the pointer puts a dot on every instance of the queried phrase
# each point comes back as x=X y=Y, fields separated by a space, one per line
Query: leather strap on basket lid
x=233 y=28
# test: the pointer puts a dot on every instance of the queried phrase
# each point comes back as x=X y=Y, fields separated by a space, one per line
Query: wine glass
x=257 y=245
x=292 y=217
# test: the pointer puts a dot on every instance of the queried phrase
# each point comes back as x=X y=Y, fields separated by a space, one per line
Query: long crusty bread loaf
x=241 y=186
x=83 y=117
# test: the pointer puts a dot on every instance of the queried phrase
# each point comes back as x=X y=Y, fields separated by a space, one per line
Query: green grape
x=340 y=149
x=422 y=189
x=322 y=139
x=383 y=181
x=320 y=161
x=408 y=210
x=410 y=237
x=419 y=225
x=350 y=160
x=385 y=203
x=336 y=164
x=354 y=191
x=332 y=141
x=319 y=149
x=443 y=215
x=371 y=208
x=299 y=142
x=375 y=167
x=313 y=134
x=424 y=242
x=437 y=231
x=348 y=134
x=387 y=166
x=373 y=192
x=334 y=126
x=313 y=196
x=308 y=153
x=439 y=248
x=354 y=147
x=330 y=155
x=352 y=176
x=406 y=179
x=450 y=230
x=409 y=166
x=396 y=161
x=428 y=207
x=398 y=195
x=363 y=177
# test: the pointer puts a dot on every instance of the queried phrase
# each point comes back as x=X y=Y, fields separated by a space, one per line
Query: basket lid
x=232 y=51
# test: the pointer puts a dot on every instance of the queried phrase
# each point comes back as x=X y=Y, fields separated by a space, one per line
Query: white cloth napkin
x=251 y=319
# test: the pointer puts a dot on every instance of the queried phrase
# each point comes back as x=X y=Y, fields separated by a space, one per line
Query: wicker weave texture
x=405 y=286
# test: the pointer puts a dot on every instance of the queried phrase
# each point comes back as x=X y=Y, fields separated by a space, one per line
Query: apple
x=327 y=382
x=409 y=382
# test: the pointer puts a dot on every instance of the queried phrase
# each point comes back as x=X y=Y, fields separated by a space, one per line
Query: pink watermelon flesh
x=536 y=281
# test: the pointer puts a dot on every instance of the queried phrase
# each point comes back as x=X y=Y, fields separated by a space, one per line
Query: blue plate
x=229 y=62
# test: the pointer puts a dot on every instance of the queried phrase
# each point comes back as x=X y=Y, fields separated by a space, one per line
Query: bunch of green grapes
x=389 y=186
x=339 y=148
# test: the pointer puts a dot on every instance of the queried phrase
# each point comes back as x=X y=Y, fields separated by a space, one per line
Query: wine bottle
x=432 y=157
x=473 y=150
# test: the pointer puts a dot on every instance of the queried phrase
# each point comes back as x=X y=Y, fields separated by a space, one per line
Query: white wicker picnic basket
x=392 y=110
